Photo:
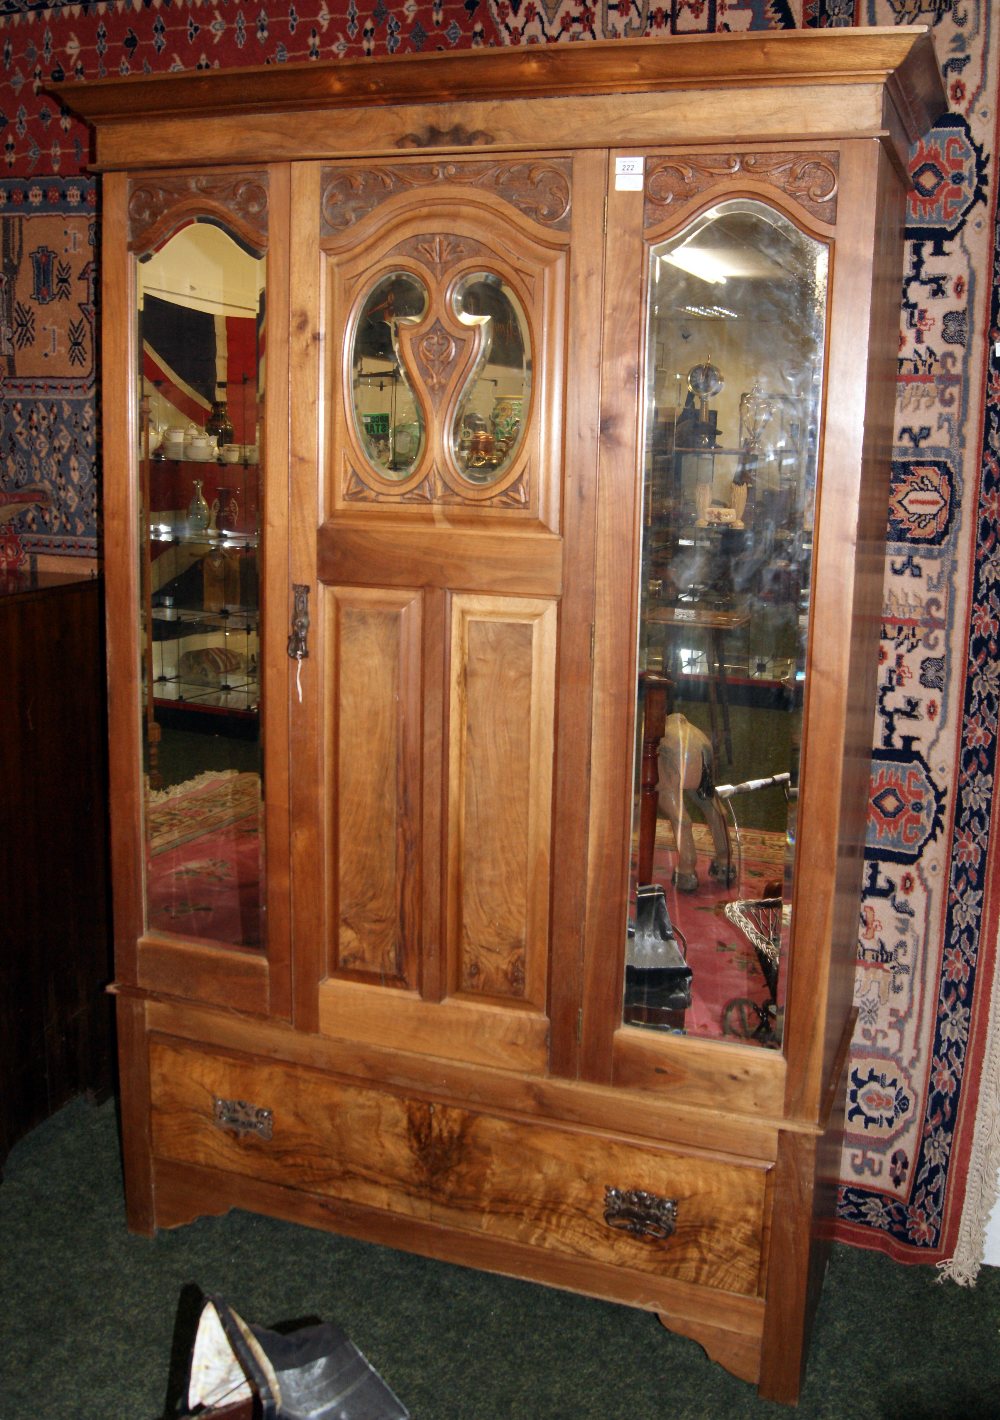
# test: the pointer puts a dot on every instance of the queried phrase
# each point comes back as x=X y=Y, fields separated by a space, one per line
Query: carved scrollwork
x=811 y=179
x=515 y=495
x=439 y=252
x=435 y=351
x=435 y=488
x=642 y=1215
x=458 y=136
x=240 y=200
x=348 y=194
x=242 y=1118
x=538 y=188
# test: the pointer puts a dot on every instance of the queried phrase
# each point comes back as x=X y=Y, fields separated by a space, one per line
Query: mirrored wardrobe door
x=735 y=325
x=201 y=335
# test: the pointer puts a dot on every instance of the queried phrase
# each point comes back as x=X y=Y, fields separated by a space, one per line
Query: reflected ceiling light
x=700 y=263
x=711 y=312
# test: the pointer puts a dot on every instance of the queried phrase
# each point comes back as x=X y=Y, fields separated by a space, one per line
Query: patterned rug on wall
x=923 y=1142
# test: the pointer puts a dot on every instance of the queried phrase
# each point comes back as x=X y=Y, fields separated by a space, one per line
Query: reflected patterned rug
x=204 y=850
x=727 y=971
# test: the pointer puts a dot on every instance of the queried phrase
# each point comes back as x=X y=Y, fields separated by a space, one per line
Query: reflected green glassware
x=199 y=512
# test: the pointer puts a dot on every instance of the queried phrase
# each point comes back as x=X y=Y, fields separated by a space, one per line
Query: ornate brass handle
x=243 y=1118
x=643 y=1215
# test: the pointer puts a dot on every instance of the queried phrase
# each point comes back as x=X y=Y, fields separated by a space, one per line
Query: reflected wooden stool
x=658 y=702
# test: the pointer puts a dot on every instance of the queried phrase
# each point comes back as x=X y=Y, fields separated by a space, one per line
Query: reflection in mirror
x=201 y=337
x=494 y=404
x=735 y=338
x=387 y=418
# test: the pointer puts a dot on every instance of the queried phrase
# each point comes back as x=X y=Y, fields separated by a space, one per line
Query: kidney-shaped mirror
x=493 y=406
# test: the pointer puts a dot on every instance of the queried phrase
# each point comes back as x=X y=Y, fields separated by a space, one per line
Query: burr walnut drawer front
x=581 y=1194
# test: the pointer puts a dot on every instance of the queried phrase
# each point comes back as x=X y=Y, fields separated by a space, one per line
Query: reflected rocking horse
x=677 y=760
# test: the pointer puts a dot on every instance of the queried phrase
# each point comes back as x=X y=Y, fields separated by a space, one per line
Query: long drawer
x=582 y=1194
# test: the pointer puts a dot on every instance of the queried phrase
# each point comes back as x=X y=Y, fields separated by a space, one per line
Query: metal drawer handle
x=243 y=1118
x=298 y=641
x=643 y=1215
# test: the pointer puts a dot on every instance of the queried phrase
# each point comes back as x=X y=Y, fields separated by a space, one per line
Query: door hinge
x=579 y=1025
x=593 y=635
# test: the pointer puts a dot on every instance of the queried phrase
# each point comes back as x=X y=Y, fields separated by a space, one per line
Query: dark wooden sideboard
x=55 y=947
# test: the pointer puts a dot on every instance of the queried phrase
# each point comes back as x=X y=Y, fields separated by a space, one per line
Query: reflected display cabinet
x=496 y=476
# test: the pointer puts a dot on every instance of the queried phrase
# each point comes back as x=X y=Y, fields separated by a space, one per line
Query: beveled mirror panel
x=200 y=324
x=734 y=370
x=491 y=413
x=387 y=418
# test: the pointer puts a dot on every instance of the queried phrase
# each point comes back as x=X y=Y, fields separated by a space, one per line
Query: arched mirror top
x=204 y=266
x=237 y=203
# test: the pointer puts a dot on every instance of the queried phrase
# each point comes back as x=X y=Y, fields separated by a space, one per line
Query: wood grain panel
x=415 y=555
x=500 y=787
x=547 y=1187
x=375 y=659
x=326 y=1137
x=474 y=1032
x=504 y=1090
x=512 y=1181
x=716 y=1074
x=222 y=976
x=693 y=62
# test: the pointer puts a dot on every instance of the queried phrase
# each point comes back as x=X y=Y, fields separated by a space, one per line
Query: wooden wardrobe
x=557 y=394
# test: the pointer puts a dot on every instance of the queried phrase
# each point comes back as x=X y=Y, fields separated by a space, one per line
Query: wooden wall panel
x=375 y=803
x=500 y=804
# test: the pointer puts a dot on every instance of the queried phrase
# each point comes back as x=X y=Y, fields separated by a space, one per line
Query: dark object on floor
x=313 y=1373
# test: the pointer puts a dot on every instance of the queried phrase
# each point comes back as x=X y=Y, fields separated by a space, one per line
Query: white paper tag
x=628 y=174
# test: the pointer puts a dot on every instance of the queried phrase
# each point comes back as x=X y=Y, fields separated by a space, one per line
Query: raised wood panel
x=715 y=1074
x=500 y=795
x=513 y=1181
x=222 y=976
x=158 y=205
x=494 y=559
x=374 y=659
x=489 y=1033
x=810 y=179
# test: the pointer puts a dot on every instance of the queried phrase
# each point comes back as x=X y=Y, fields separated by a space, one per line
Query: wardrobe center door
x=450 y=629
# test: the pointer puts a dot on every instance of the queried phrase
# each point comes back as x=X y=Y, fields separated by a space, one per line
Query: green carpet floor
x=95 y=1323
